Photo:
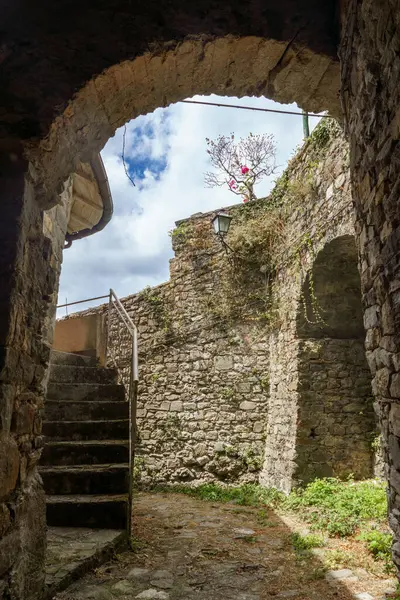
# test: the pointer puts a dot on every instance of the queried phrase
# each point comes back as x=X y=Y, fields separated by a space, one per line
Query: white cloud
x=134 y=249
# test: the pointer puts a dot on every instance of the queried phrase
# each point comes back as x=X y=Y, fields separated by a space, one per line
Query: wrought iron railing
x=114 y=304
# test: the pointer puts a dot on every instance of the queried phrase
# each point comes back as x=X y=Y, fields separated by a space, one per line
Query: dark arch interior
x=336 y=417
x=334 y=281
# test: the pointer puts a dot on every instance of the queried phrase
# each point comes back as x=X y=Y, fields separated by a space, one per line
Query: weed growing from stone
x=303 y=544
x=338 y=559
x=379 y=544
x=264 y=520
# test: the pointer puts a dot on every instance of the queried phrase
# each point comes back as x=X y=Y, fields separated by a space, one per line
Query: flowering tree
x=240 y=165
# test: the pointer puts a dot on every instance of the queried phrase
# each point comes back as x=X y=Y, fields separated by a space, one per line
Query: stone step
x=68 y=358
x=77 y=392
x=102 y=512
x=72 y=552
x=85 y=479
x=58 y=410
x=85 y=453
x=72 y=373
x=86 y=430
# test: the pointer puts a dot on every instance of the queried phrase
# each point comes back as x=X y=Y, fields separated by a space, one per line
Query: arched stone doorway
x=229 y=66
x=74 y=120
x=336 y=423
x=56 y=60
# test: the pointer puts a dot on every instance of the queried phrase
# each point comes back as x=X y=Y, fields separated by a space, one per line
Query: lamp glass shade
x=221 y=223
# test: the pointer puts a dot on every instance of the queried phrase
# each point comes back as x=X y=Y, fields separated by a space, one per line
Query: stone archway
x=51 y=55
x=60 y=106
x=228 y=66
x=336 y=424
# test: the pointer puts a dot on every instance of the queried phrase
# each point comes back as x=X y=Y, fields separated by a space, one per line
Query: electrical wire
x=270 y=110
x=123 y=159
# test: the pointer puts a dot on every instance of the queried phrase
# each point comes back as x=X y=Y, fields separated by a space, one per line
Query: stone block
x=200 y=449
x=371 y=317
x=394 y=419
x=247 y=405
x=395 y=386
x=176 y=406
x=9 y=465
x=394 y=479
x=223 y=363
x=380 y=383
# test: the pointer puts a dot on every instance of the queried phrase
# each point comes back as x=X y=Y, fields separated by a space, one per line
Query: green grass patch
x=339 y=507
x=264 y=520
x=303 y=544
x=244 y=495
x=338 y=559
x=379 y=544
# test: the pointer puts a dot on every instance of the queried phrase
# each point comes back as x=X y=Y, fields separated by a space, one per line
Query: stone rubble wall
x=319 y=220
x=26 y=286
x=336 y=417
x=203 y=397
x=224 y=401
x=370 y=72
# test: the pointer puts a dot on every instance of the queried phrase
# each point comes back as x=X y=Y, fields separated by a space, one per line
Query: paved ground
x=72 y=551
x=186 y=549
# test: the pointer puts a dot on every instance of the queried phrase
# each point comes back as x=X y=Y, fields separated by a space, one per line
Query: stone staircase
x=85 y=462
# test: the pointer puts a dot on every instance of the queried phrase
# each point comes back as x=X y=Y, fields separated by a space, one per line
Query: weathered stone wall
x=336 y=423
x=370 y=70
x=337 y=429
x=203 y=393
x=26 y=286
x=325 y=215
x=219 y=386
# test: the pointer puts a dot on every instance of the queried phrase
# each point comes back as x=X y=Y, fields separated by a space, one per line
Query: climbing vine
x=245 y=290
x=312 y=309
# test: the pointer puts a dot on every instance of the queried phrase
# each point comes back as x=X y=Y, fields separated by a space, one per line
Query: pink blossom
x=232 y=184
x=246 y=199
x=245 y=170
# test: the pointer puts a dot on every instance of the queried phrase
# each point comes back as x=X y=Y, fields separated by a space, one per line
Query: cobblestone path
x=187 y=549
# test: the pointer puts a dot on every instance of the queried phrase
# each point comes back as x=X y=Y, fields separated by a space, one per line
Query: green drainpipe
x=306 y=128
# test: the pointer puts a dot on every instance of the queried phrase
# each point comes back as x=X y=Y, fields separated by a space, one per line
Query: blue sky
x=166 y=155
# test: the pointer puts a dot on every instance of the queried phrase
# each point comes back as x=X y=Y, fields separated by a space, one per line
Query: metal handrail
x=81 y=301
x=133 y=387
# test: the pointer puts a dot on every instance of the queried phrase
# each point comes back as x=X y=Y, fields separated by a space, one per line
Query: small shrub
x=318 y=573
x=264 y=520
x=304 y=543
x=180 y=230
x=379 y=544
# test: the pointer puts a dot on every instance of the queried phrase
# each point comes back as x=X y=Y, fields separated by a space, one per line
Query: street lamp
x=221 y=223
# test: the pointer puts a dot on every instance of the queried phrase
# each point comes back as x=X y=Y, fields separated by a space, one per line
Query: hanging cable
x=123 y=159
x=271 y=110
